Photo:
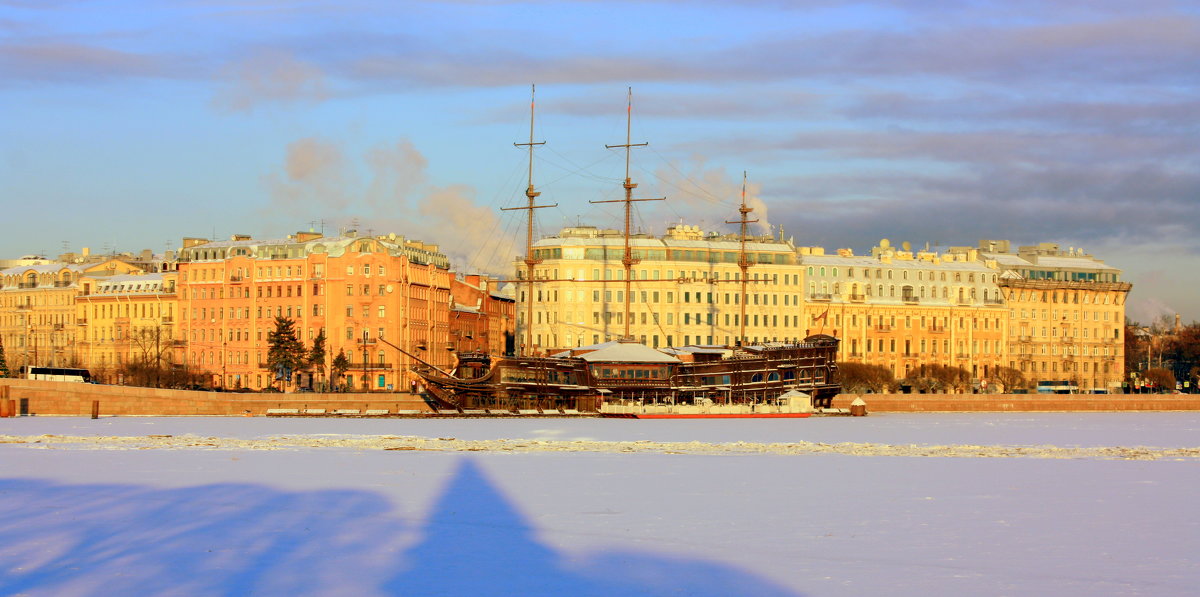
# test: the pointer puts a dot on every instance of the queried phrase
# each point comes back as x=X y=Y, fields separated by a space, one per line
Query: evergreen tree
x=340 y=365
x=286 y=353
x=316 y=354
x=3 y=361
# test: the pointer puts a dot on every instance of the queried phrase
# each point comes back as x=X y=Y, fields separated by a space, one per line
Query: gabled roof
x=627 y=352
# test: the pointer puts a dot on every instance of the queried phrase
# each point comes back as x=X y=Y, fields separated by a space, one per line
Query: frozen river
x=1162 y=429
x=209 y=517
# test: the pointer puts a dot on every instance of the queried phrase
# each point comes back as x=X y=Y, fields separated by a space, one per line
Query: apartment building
x=124 y=319
x=902 y=309
x=1067 y=315
x=684 y=289
x=38 y=310
x=367 y=294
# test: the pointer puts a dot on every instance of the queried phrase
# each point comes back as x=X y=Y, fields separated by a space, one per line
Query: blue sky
x=130 y=125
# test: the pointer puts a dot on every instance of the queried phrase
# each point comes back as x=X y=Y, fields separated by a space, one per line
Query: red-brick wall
x=1020 y=402
x=67 y=398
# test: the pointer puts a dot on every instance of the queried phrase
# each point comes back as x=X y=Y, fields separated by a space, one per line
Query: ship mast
x=627 y=259
x=743 y=261
x=530 y=260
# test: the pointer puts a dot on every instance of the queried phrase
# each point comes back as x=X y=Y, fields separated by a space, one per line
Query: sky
x=130 y=125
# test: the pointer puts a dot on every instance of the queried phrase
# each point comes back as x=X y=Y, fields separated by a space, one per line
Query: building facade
x=365 y=294
x=127 y=319
x=685 y=289
x=903 y=309
x=38 y=311
x=482 y=318
x=1067 y=315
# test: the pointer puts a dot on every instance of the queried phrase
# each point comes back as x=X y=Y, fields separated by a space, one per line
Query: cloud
x=470 y=233
x=269 y=77
x=709 y=194
x=317 y=181
x=314 y=176
x=397 y=172
x=73 y=63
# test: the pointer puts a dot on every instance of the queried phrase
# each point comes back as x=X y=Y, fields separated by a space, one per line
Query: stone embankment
x=1021 y=402
x=30 y=397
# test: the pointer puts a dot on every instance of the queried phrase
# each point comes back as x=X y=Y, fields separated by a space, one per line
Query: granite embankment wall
x=75 y=399
x=1021 y=402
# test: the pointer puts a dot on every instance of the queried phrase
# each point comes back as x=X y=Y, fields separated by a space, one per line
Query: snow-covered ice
x=104 y=519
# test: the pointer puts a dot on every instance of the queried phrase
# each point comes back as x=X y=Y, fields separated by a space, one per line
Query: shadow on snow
x=224 y=539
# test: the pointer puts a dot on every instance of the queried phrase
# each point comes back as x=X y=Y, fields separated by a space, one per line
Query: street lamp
x=366 y=336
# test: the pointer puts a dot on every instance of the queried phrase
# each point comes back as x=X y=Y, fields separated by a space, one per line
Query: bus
x=1057 y=387
x=57 y=374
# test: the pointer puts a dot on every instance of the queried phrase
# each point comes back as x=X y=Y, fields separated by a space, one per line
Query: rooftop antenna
x=627 y=260
x=743 y=262
x=530 y=194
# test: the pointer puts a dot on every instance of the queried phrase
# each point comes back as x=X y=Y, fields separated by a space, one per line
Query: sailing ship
x=626 y=378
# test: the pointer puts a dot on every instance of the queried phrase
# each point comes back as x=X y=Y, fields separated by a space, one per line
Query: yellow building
x=1067 y=312
x=38 y=310
x=127 y=319
x=684 y=290
x=902 y=309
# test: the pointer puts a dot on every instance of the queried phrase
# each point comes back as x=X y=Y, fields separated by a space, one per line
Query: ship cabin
x=628 y=370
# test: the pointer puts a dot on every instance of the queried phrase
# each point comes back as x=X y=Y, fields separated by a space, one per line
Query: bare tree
x=859 y=378
x=1010 y=378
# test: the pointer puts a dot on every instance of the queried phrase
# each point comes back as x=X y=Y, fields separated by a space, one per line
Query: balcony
x=820 y=296
x=910 y=300
x=25 y=307
x=235 y=278
x=62 y=283
x=27 y=285
x=938 y=329
x=168 y=319
x=962 y=355
x=963 y=301
x=858 y=298
x=855 y=355
x=883 y=328
x=369 y=367
x=993 y=301
x=81 y=321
